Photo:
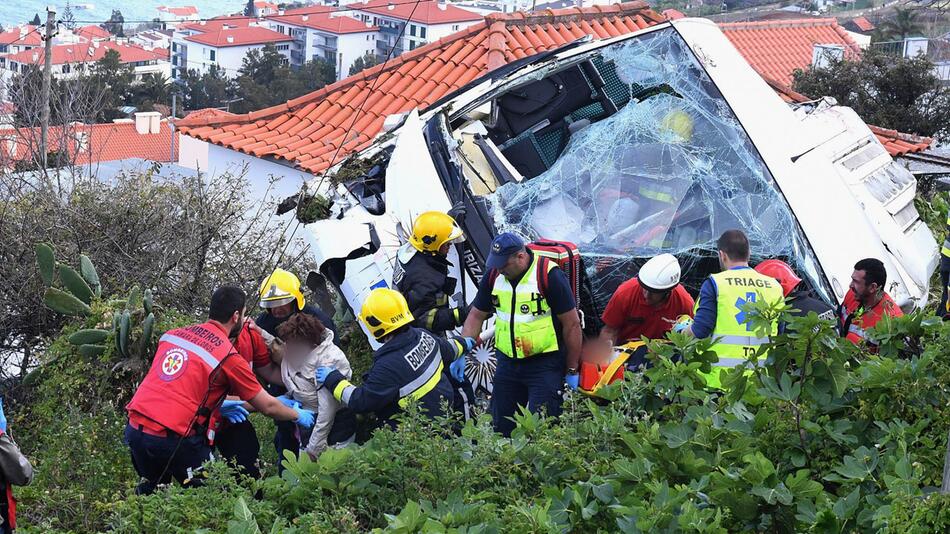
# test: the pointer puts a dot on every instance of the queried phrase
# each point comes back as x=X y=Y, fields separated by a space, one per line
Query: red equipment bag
x=567 y=258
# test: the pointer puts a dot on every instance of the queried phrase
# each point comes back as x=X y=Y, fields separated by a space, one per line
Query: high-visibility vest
x=524 y=325
x=945 y=249
x=180 y=377
x=736 y=341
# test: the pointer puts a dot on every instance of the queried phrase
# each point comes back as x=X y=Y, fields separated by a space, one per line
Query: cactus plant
x=91 y=351
x=147 y=301
x=125 y=327
x=65 y=303
x=135 y=298
x=46 y=262
x=88 y=271
x=75 y=284
x=90 y=336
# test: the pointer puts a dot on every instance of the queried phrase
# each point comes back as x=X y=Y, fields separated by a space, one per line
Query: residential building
x=224 y=42
x=146 y=136
x=71 y=60
x=776 y=48
x=171 y=17
x=323 y=33
x=153 y=39
x=430 y=21
x=19 y=38
x=262 y=8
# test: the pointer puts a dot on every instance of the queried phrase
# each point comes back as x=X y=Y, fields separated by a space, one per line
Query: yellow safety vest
x=524 y=325
x=945 y=249
x=736 y=341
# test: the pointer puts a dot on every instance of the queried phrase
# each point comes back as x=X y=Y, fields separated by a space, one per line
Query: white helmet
x=660 y=273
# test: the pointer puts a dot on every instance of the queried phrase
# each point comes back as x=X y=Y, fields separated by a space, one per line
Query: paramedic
x=866 y=302
x=720 y=312
x=800 y=300
x=537 y=330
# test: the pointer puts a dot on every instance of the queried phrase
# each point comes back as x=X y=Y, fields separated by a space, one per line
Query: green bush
x=824 y=438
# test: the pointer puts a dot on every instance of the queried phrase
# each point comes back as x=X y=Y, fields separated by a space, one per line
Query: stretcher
x=595 y=376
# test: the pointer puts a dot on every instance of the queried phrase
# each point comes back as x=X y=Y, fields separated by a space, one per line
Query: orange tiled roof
x=206 y=113
x=102 y=142
x=896 y=143
x=239 y=37
x=423 y=12
x=26 y=35
x=89 y=53
x=673 y=14
x=863 y=24
x=308 y=130
x=776 y=48
x=92 y=32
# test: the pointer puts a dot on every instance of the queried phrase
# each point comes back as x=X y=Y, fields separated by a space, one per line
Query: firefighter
x=538 y=334
x=193 y=369
x=410 y=364
x=801 y=301
x=281 y=297
x=866 y=302
x=943 y=310
x=422 y=276
x=719 y=310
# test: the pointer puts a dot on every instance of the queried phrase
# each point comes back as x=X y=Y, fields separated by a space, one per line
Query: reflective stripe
x=340 y=392
x=945 y=250
x=733 y=362
x=858 y=331
x=191 y=347
x=522 y=319
x=434 y=369
x=425 y=389
x=656 y=195
x=750 y=341
x=347 y=393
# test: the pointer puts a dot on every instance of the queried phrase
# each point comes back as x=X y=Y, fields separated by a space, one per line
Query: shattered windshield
x=668 y=171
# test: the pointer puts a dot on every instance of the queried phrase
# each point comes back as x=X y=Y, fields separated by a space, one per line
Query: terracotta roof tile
x=26 y=35
x=238 y=37
x=863 y=24
x=92 y=143
x=777 y=48
x=417 y=78
x=424 y=12
x=86 y=52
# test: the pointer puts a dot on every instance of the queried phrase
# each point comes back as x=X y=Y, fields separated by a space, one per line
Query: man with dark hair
x=866 y=302
x=172 y=414
x=720 y=312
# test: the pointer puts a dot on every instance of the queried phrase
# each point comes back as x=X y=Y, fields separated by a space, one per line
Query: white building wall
x=228 y=58
x=351 y=46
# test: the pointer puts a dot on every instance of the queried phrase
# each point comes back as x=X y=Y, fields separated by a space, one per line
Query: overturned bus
x=652 y=142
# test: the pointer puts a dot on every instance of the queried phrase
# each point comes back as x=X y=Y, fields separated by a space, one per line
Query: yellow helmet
x=433 y=229
x=385 y=311
x=680 y=124
x=281 y=287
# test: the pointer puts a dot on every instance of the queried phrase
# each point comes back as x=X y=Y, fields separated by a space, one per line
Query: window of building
x=283 y=47
x=280 y=28
x=412 y=45
x=455 y=27
x=174 y=47
x=422 y=32
x=412 y=30
x=212 y=55
x=66 y=68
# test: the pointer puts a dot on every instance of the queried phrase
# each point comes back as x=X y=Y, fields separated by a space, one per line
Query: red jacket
x=183 y=375
x=863 y=319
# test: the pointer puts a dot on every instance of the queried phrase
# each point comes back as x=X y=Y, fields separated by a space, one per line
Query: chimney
x=230 y=38
x=305 y=18
x=155 y=123
x=22 y=32
x=82 y=140
x=391 y=6
x=441 y=4
x=36 y=57
x=141 y=123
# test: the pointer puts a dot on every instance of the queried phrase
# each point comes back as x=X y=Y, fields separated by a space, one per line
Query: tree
x=36 y=20
x=365 y=61
x=115 y=24
x=115 y=79
x=903 y=25
x=152 y=89
x=68 y=19
x=886 y=90
x=249 y=10
x=211 y=89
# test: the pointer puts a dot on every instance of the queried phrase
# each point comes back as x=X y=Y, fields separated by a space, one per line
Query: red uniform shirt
x=252 y=347
x=629 y=313
x=191 y=364
x=865 y=318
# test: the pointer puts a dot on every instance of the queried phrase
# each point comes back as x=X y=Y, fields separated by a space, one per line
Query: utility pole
x=47 y=79
x=171 y=124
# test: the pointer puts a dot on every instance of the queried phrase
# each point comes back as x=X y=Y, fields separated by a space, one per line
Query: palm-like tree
x=903 y=25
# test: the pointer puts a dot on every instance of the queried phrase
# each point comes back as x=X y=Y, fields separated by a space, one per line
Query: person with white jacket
x=308 y=345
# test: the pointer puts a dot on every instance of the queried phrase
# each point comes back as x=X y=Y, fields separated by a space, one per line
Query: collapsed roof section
x=323 y=128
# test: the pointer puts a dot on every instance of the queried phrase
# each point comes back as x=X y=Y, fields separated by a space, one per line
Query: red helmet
x=780 y=271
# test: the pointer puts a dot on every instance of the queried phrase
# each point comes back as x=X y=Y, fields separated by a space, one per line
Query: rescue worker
x=235 y=438
x=801 y=301
x=193 y=369
x=15 y=470
x=719 y=311
x=409 y=365
x=866 y=302
x=648 y=304
x=943 y=310
x=422 y=276
x=281 y=297
x=538 y=334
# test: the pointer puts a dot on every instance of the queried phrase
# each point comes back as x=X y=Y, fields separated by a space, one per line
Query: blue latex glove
x=682 y=323
x=233 y=411
x=322 y=374
x=469 y=343
x=3 y=418
x=288 y=402
x=304 y=417
x=572 y=380
x=457 y=369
